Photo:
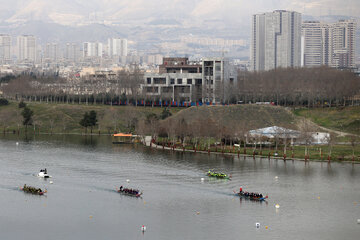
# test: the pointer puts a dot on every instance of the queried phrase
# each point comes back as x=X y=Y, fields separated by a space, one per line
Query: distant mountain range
x=143 y=22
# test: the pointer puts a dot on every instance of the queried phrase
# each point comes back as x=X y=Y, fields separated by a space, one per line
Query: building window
x=189 y=81
x=148 y=80
x=212 y=82
x=172 y=81
x=179 y=81
x=159 y=80
x=199 y=81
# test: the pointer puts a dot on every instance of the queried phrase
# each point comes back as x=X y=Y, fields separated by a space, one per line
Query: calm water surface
x=317 y=201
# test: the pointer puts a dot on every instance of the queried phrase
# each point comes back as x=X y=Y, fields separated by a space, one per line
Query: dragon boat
x=211 y=173
x=251 y=196
x=129 y=192
x=33 y=190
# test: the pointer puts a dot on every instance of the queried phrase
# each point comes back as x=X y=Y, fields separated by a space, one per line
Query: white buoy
x=202 y=179
x=17 y=143
x=277 y=206
x=257 y=225
x=358 y=221
x=276 y=177
x=51 y=182
x=127 y=180
x=143 y=228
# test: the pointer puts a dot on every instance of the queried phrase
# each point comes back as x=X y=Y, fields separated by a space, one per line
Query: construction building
x=184 y=81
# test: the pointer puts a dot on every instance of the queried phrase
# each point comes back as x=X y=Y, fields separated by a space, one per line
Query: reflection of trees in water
x=89 y=141
x=353 y=171
x=329 y=170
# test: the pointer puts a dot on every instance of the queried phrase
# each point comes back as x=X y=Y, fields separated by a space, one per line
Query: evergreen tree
x=85 y=121
x=89 y=120
x=92 y=119
x=3 y=102
x=27 y=114
x=22 y=104
x=165 y=113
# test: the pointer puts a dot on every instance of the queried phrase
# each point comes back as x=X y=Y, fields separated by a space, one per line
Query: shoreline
x=159 y=147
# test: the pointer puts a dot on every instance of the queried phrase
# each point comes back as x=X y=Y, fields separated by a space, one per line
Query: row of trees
x=296 y=86
x=290 y=86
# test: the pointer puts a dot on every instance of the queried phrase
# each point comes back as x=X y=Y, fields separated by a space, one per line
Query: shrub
x=3 y=102
x=22 y=104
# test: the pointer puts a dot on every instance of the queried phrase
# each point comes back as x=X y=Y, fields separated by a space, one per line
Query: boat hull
x=215 y=175
x=34 y=193
x=129 y=194
x=43 y=175
x=242 y=195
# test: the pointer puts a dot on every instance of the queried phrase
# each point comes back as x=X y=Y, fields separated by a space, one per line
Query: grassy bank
x=340 y=119
x=65 y=118
x=338 y=152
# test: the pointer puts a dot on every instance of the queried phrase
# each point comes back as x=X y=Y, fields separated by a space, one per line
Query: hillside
x=247 y=116
x=339 y=119
x=65 y=118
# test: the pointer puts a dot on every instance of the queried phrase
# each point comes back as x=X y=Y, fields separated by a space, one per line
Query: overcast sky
x=233 y=10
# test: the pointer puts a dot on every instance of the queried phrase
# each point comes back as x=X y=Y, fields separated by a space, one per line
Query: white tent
x=274 y=131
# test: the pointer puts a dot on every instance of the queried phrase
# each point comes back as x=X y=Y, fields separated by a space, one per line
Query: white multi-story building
x=276 y=40
x=329 y=44
x=26 y=48
x=316 y=44
x=5 y=48
x=92 y=49
x=117 y=47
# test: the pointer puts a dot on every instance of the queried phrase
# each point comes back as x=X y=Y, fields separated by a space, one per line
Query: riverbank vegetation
x=65 y=118
x=207 y=128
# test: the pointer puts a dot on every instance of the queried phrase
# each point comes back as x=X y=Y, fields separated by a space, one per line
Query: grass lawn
x=341 y=119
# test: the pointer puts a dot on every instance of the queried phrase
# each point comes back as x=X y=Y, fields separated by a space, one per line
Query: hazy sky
x=191 y=10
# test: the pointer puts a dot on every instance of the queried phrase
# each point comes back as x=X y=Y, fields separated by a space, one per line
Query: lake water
x=317 y=200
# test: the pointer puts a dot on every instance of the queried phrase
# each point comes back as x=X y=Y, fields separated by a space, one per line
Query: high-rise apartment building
x=92 y=49
x=5 y=48
x=343 y=44
x=276 y=40
x=316 y=44
x=72 y=52
x=329 y=44
x=52 y=52
x=117 y=47
x=26 y=48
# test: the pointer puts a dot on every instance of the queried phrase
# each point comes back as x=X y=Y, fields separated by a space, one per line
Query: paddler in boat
x=241 y=190
x=121 y=187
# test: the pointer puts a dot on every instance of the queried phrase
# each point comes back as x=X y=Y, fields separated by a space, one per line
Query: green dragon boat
x=33 y=190
x=211 y=173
